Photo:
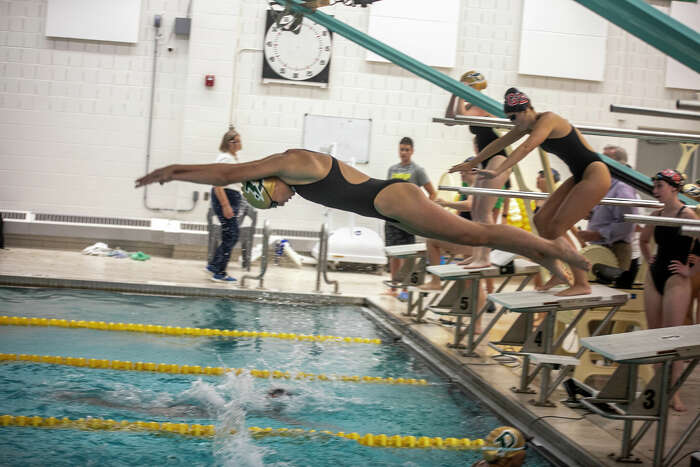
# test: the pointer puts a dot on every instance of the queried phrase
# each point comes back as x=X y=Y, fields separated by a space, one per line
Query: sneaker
x=403 y=296
x=222 y=278
x=209 y=269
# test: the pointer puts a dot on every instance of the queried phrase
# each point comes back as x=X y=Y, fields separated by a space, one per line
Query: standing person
x=409 y=171
x=321 y=178
x=667 y=290
x=576 y=197
x=485 y=209
x=225 y=203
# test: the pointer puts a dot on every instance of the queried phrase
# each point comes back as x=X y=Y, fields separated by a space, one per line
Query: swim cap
x=509 y=441
x=670 y=176
x=258 y=193
x=474 y=79
x=515 y=101
x=692 y=191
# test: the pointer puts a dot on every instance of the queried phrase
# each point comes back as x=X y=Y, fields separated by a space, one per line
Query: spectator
x=225 y=203
x=411 y=172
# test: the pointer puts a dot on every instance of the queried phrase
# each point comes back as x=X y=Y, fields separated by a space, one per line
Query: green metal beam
x=399 y=58
x=652 y=26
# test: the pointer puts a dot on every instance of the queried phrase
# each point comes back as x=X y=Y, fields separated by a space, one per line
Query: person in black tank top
x=575 y=197
x=668 y=285
x=273 y=180
x=483 y=207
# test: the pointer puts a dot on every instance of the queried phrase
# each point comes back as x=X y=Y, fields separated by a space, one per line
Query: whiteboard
x=98 y=20
x=346 y=139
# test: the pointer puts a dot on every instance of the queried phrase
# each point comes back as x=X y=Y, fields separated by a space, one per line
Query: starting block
x=541 y=341
x=460 y=297
x=620 y=400
x=412 y=272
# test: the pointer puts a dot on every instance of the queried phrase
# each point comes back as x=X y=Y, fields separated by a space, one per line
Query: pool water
x=229 y=402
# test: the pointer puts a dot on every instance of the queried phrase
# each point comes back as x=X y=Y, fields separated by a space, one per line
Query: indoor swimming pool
x=232 y=401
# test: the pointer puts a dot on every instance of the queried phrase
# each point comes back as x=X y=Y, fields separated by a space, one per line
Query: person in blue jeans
x=225 y=202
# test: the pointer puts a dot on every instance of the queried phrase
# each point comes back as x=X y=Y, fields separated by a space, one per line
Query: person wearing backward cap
x=483 y=206
x=325 y=180
x=574 y=198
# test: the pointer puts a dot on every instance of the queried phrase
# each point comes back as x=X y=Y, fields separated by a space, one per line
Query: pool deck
x=598 y=436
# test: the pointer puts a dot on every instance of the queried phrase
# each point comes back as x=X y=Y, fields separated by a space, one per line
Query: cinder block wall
x=73 y=113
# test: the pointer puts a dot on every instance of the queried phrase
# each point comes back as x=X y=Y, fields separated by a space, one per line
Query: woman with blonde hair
x=483 y=206
x=225 y=202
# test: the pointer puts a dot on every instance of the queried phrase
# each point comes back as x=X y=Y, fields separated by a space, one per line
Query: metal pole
x=657 y=220
x=585 y=129
x=688 y=105
x=322 y=264
x=536 y=195
x=263 y=258
x=628 y=109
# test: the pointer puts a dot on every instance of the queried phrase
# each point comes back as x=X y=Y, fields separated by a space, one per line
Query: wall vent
x=70 y=219
x=198 y=226
x=22 y=216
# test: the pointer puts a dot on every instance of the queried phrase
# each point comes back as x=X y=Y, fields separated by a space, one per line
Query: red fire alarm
x=209 y=80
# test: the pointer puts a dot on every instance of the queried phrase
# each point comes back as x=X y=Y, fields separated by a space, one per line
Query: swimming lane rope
x=369 y=439
x=198 y=370
x=176 y=330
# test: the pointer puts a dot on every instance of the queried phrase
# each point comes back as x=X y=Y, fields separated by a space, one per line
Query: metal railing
x=628 y=109
x=263 y=258
x=641 y=203
x=322 y=264
x=585 y=129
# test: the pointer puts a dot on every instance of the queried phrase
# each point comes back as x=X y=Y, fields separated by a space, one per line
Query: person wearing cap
x=483 y=206
x=225 y=202
x=607 y=224
x=321 y=178
x=667 y=289
x=574 y=198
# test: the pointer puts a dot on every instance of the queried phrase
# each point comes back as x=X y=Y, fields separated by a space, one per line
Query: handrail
x=658 y=220
x=629 y=109
x=641 y=203
x=322 y=264
x=263 y=258
x=585 y=129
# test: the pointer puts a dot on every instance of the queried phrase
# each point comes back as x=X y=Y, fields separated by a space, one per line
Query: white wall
x=73 y=113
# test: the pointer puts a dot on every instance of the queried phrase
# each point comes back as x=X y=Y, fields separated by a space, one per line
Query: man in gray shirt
x=411 y=172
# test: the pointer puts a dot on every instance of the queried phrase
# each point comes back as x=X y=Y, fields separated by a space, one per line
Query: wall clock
x=299 y=57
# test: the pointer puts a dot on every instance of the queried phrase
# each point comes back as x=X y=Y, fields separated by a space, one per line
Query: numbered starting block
x=459 y=297
x=412 y=272
x=620 y=399
x=534 y=345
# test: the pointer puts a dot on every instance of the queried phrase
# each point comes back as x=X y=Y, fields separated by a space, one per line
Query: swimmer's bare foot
x=552 y=282
x=567 y=253
x=478 y=265
x=576 y=289
x=677 y=405
x=430 y=286
x=553 y=267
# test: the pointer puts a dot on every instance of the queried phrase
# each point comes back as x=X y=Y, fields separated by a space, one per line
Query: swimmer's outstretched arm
x=291 y=166
x=540 y=132
x=495 y=146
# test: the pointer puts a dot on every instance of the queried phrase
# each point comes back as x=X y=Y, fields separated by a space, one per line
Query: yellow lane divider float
x=369 y=439
x=176 y=330
x=198 y=370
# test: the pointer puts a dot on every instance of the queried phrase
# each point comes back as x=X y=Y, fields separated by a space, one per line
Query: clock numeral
x=296 y=75
x=327 y=48
x=308 y=73
x=283 y=71
x=272 y=59
x=322 y=62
